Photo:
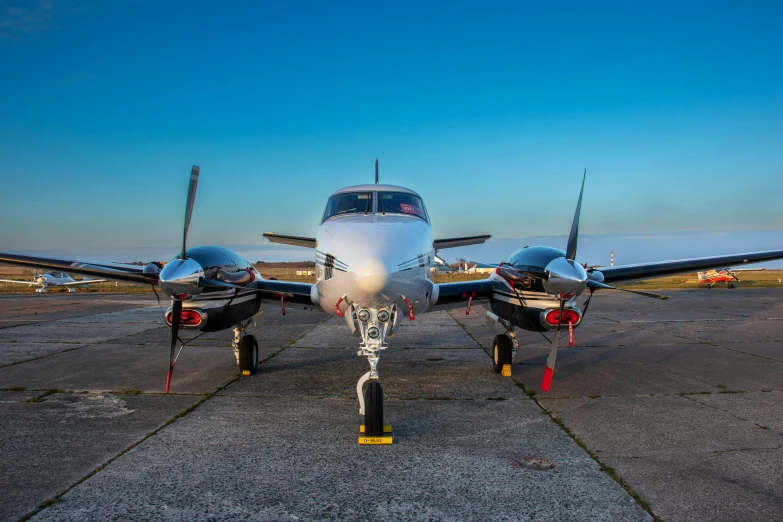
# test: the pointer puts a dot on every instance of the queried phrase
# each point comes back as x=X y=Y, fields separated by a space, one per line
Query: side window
x=348 y=203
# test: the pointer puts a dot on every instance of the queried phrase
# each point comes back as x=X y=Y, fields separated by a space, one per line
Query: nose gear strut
x=368 y=389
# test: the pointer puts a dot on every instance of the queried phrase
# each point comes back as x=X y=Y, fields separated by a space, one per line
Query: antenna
x=376 y=171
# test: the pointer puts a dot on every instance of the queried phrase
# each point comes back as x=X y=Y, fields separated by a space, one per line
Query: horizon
x=490 y=113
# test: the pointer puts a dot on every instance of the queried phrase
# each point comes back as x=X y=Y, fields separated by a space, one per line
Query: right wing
x=616 y=274
x=307 y=242
x=113 y=271
x=31 y=283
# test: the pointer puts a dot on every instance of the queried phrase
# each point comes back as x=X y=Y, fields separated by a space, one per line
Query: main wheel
x=373 y=410
x=501 y=352
x=731 y=285
x=248 y=355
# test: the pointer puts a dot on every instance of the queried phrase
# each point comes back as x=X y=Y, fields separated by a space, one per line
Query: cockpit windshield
x=348 y=203
x=401 y=203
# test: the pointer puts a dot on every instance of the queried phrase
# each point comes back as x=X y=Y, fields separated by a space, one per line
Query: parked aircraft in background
x=54 y=279
x=724 y=275
x=374 y=249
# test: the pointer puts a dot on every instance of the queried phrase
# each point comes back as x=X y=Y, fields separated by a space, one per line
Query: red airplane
x=724 y=275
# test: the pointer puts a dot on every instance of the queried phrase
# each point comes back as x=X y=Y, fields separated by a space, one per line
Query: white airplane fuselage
x=372 y=261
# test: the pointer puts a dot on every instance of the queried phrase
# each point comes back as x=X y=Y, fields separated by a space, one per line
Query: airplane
x=54 y=279
x=374 y=249
x=724 y=275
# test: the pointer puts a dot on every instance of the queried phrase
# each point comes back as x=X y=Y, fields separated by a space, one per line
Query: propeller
x=596 y=285
x=565 y=278
x=176 y=307
x=194 y=173
x=573 y=236
x=549 y=369
x=176 y=314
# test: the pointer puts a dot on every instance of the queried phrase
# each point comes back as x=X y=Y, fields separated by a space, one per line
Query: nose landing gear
x=373 y=333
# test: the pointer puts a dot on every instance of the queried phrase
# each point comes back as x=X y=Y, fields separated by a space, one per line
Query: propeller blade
x=176 y=316
x=573 y=237
x=376 y=171
x=189 y=205
x=596 y=284
x=549 y=370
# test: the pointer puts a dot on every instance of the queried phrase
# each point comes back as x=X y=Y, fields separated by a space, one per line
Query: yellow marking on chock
x=386 y=438
x=506 y=370
x=245 y=372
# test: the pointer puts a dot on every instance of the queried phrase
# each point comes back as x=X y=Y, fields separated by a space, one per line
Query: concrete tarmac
x=670 y=408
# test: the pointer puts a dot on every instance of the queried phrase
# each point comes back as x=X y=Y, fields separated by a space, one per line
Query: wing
x=113 y=271
x=31 y=283
x=307 y=242
x=271 y=289
x=456 y=295
x=616 y=274
x=87 y=282
x=459 y=241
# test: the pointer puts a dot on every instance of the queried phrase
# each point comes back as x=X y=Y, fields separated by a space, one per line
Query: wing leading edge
x=112 y=271
x=616 y=274
x=459 y=241
x=306 y=242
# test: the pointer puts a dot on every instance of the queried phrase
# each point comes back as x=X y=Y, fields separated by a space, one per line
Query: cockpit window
x=348 y=203
x=401 y=203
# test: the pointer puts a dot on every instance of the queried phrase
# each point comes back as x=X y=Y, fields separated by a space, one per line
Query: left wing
x=272 y=289
x=82 y=282
x=307 y=242
x=455 y=295
x=459 y=241
x=113 y=271
x=31 y=283
x=616 y=274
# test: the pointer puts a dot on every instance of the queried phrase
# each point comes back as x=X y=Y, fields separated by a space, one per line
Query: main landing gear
x=373 y=326
x=504 y=346
x=245 y=350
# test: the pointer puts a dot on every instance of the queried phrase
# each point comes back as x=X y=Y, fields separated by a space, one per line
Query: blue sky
x=491 y=112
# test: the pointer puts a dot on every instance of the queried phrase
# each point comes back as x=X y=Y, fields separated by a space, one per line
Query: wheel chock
x=506 y=370
x=245 y=372
x=386 y=438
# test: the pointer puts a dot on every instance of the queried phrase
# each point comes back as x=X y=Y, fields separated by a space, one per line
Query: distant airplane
x=54 y=279
x=724 y=275
x=374 y=249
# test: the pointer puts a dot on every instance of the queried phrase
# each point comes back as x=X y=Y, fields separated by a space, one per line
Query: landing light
x=569 y=316
x=188 y=318
x=364 y=316
x=383 y=316
x=373 y=332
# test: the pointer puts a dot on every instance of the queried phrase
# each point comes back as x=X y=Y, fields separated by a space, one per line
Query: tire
x=373 y=410
x=248 y=355
x=501 y=352
x=731 y=285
